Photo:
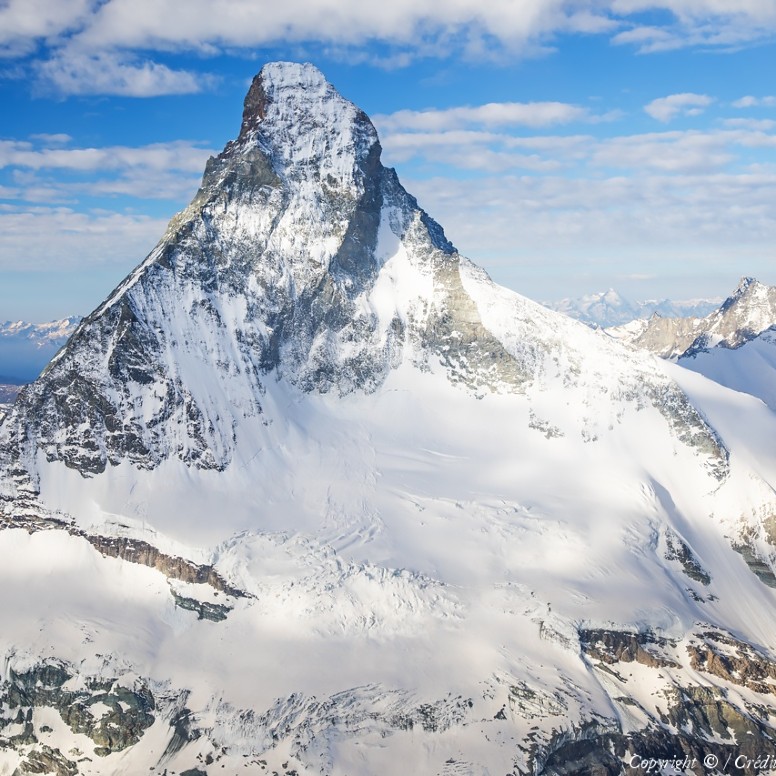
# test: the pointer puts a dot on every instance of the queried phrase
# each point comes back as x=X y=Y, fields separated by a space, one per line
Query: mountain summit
x=309 y=492
x=302 y=257
x=745 y=314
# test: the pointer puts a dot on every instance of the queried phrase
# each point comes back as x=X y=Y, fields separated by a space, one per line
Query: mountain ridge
x=746 y=313
x=609 y=308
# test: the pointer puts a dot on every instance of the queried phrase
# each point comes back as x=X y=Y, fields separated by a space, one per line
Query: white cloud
x=573 y=226
x=465 y=148
x=646 y=38
x=690 y=151
x=97 y=42
x=23 y=22
x=43 y=172
x=672 y=152
x=52 y=139
x=61 y=238
x=138 y=23
x=755 y=125
x=143 y=23
x=755 y=102
x=686 y=104
x=495 y=114
x=179 y=155
x=74 y=72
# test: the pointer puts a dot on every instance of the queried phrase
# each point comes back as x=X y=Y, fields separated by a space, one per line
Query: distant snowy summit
x=746 y=313
x=26 y=348
x=734 y=345
x=610 y=308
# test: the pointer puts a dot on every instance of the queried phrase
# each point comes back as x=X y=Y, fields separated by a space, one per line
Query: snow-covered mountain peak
x=746 y=313
x=307 y=130
x=303 y=259
x=749 y=310
x=609 y=308
x=745 y=283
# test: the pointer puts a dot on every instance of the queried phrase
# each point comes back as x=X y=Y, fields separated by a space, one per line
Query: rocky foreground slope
x=308 y=493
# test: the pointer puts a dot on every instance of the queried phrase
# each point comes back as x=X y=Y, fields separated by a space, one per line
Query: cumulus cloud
x=756 y=125
x=45 y=171
x=24 y=22
x=106 y=46
x=690 y=151
x=49 y=138
x=143 y=23
x=686 y=104
x=138 y=23
x=178 y=155
x=647 y=38
x=464 y=148
x=723 y=24
x=74 y=72
x=582 y=226
x=497 y=149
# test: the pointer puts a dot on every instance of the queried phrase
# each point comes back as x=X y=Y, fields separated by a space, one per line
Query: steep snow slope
x=750 y=368
x=310 y=493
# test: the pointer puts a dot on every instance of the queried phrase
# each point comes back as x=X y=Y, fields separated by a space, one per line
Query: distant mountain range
x=610 y=308
x=26 y=348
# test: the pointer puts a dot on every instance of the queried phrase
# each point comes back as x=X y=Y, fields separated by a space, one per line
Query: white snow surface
x=750 y=368
x=432 y=538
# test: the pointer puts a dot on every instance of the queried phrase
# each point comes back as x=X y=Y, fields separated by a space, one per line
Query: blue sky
x=568 y=146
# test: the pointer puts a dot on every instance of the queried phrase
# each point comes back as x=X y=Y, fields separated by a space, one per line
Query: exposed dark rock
x=183 y=733
x=204 y=610
x=721 y=655
x=690 y=426
x=129 y=714
x=687 y=741
x=751 y=544
x=471 y=354
x=173 y=567
x=676 y=549
x=760 y=567
x=612 y=647
x=46 y=760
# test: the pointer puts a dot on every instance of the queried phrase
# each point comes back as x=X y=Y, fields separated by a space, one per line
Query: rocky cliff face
x=308 y=493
